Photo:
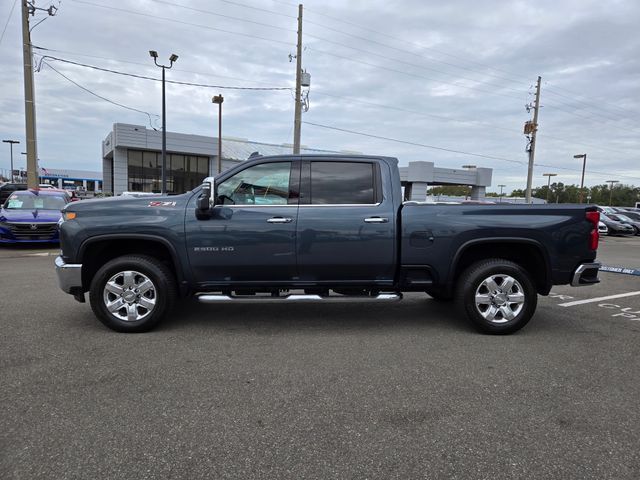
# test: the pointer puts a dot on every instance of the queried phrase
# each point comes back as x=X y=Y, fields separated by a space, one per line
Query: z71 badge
x=157 y=203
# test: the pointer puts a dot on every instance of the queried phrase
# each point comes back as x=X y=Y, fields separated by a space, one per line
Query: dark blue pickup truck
x=319 y=229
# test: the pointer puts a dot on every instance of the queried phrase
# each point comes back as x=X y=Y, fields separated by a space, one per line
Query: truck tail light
x=594 y=236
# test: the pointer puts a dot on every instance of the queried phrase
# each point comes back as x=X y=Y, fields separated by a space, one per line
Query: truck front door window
x=264 y=184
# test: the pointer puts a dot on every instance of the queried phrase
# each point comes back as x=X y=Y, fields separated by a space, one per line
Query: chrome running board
x=296 y=298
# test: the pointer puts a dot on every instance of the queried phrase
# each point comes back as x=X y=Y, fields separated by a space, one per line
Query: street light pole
x=501 y=187
x=583 y=156
x=11 y=144
x=549 y=182
x=612 y=182
x=219 y=99
x=172 y=59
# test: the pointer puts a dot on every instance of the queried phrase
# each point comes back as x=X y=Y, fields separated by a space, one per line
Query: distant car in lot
x=633 y=215
x=8 y=188
x=619 y=217
x=602 y=228
x=615 y=227
x=31 y=216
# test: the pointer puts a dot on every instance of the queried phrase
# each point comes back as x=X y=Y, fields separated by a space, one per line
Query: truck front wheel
x=132 y=293
x=497 y=296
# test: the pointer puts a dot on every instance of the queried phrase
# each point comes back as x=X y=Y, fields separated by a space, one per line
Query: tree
x=451 y=190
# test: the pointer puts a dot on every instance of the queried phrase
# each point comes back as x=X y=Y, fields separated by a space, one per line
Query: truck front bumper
x=69 y=276
x=586 y=274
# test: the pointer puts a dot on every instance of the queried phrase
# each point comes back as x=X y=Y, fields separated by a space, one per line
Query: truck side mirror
x=205 y=201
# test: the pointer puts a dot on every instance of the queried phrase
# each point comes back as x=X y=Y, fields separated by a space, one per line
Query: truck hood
x=31 y=216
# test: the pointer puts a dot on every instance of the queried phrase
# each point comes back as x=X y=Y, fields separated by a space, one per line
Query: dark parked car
x=632 y=214
x=8 y=188
x=615 y=227
x=31 y=216
x=627 y=220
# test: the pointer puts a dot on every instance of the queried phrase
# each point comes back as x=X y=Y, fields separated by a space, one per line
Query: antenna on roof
x=254 y=155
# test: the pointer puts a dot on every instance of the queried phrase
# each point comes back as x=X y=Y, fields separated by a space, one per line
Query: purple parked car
x=31 y=216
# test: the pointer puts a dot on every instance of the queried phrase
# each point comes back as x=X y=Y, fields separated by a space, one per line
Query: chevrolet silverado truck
x=300 y=228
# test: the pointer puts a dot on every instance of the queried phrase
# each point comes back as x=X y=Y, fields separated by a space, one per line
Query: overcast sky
x=454 y=75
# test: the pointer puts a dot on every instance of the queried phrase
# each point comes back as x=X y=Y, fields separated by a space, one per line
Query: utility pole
x=612 y=182
x=29 y=100
x=11 y=144
x=549 y=182
x=532 y=127
x=583 y=156
x=502 y=185
x=297 y=122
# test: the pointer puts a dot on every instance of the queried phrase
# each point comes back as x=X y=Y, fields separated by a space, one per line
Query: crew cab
x=319 y=229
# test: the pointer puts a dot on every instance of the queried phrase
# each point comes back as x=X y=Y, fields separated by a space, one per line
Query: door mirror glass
x=204 y=201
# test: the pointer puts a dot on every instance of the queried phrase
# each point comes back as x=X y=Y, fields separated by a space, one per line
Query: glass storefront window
x=184 y=172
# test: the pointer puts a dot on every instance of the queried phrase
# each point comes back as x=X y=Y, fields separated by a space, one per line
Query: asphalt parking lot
x=404 y=390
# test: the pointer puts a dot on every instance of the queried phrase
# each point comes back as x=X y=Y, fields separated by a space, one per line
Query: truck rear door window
x=343 y=183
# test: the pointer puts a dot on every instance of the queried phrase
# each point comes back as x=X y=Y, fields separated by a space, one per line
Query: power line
x=100 y=96
x=590 y=113
x=590 y=117
x=145 y=77
x=473 y=123
x=406 y=142
x=222 y=15
x=588 y=106
x=424 y=145
x=209 y=12
x=8 y=20
x=385 y=57
x=577 y=98
x=416 y=45
x=173 y=20
x=238 y=4
x=373 y=65
x=146 y=65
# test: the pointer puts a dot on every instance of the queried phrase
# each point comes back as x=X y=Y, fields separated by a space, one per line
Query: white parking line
x=592 y=300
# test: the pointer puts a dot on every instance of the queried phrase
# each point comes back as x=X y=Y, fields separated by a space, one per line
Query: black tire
x=152 y=302
x=439 y=296
x=477 y=279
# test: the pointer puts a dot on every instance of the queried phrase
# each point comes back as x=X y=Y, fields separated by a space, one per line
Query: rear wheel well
x=96 y=254
x=528 y=256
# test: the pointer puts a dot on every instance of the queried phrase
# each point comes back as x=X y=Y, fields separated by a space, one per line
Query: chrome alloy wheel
x=499 y=298
x=129 y=296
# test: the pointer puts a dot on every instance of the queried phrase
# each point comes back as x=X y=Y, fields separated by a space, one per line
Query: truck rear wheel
x=497 y=296
x=132 y=293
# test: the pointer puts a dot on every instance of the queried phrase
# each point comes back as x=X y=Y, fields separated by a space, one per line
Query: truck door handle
x=376 y=220
x=280 y=220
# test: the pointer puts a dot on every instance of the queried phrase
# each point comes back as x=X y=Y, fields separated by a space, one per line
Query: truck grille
x=33 y=231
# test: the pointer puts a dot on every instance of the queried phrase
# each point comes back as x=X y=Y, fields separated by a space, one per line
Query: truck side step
x=296 y=298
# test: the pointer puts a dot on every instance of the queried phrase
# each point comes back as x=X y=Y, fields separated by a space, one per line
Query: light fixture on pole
x=172 y=59
x=219 y=99
x=612 y=182
x=583 y=156
x=11 y=144
x=549 y=182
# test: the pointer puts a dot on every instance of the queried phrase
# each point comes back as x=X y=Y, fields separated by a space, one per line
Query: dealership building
x=132 y=160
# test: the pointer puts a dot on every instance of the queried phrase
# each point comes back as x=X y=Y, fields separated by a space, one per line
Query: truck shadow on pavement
x=357 y=316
